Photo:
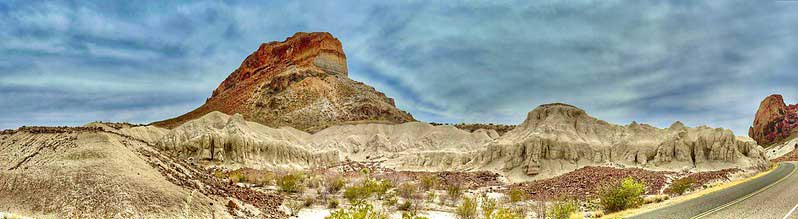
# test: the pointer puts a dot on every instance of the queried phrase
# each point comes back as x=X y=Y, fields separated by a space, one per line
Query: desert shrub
x=627 y=194
x=467 y=209
x=359 y=211
x=294 y=206
x=505 y=213
x=540 y=208
x=308 y=201
x=489 y=206
x=219 y=174
x=356 y=193
x=333 y=204
x=291 y=182
x=237 y=177
x=366 y=172
x=655 y=199
x=411 y=215
x=563 y=209
x=454 y=192
x=367 y=189
x=428 y=182
x=379 y=188
x=405 y=206
x=391 y=201
x=681 y=185
x=516 y=195
x=432 y=196
x=313 y=182
x=407 y=190
x=335 y=184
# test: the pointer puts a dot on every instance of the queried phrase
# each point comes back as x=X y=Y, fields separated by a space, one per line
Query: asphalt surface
x=769 y=196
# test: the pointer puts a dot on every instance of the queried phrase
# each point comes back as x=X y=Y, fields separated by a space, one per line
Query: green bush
x=405 y=206
x=431 y=196
x=563 y=209
x=309 y=201
x=428 y=182
x=333 y=204
x=359 y=211
x=411 y=215
x=467 y=209
x=356 y=194
x=335 y=184
x=294 y=206
x=489 y=206
x=454 y=192
x=407 y=190
x=291 y=182
x=627 y=194
x=681 y=185
x=504 y=213
x=366 y=189
x=516 y=195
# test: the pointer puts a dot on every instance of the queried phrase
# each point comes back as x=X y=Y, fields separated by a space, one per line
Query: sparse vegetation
x=405 y=206
x=431 y=196
x=563 y=209
x=334 y=184
x=467 y=209
x=407 y=190
x=516 y=195
x=366 y=189
x=505 y=213
x=681 y=185
x=291 y=183
x=309 y=201
x=333 y=204
x=359 y=211
x=489 y=206
x=294 y=206
x=627 y=194
x=428 y=182
x=454 y=192
x=411 y=215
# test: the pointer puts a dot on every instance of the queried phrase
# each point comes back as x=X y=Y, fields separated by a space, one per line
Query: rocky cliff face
x=301 y=82
x=557 y=138
x=774 y=121
x=554 y=139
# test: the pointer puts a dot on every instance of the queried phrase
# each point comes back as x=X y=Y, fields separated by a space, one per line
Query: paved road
x=769 y=196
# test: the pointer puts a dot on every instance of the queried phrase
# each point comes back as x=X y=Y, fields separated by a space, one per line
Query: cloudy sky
x=701 y=62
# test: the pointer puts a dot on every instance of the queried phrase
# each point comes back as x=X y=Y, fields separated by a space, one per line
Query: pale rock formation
x=556 y=138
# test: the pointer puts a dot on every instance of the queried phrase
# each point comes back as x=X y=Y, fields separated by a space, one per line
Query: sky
x=655 y=62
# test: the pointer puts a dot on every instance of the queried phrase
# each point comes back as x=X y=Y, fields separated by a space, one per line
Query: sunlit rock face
x=301 y=82
x=774 y=121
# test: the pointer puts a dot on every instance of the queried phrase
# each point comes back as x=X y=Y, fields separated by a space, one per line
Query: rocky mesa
x=301 y=82
x=774 y=121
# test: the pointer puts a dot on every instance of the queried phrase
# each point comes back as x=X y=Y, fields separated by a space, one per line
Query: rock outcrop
x=557 y=138
x=774 y=121
x=554 y=139
x=301 y=82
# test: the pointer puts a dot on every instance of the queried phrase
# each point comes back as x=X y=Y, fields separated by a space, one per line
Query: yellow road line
x=747 y=196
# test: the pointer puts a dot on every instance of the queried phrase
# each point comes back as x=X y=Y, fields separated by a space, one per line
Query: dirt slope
x=90 y=173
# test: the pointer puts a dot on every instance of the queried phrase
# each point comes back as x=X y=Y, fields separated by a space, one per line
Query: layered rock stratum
x=774 y=121
x=301 y=82
x=554 y=139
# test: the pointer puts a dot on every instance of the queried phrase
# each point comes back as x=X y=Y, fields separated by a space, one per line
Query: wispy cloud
x=707 y=62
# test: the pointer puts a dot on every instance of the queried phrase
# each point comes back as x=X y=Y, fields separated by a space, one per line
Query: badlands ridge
x=554 y=139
